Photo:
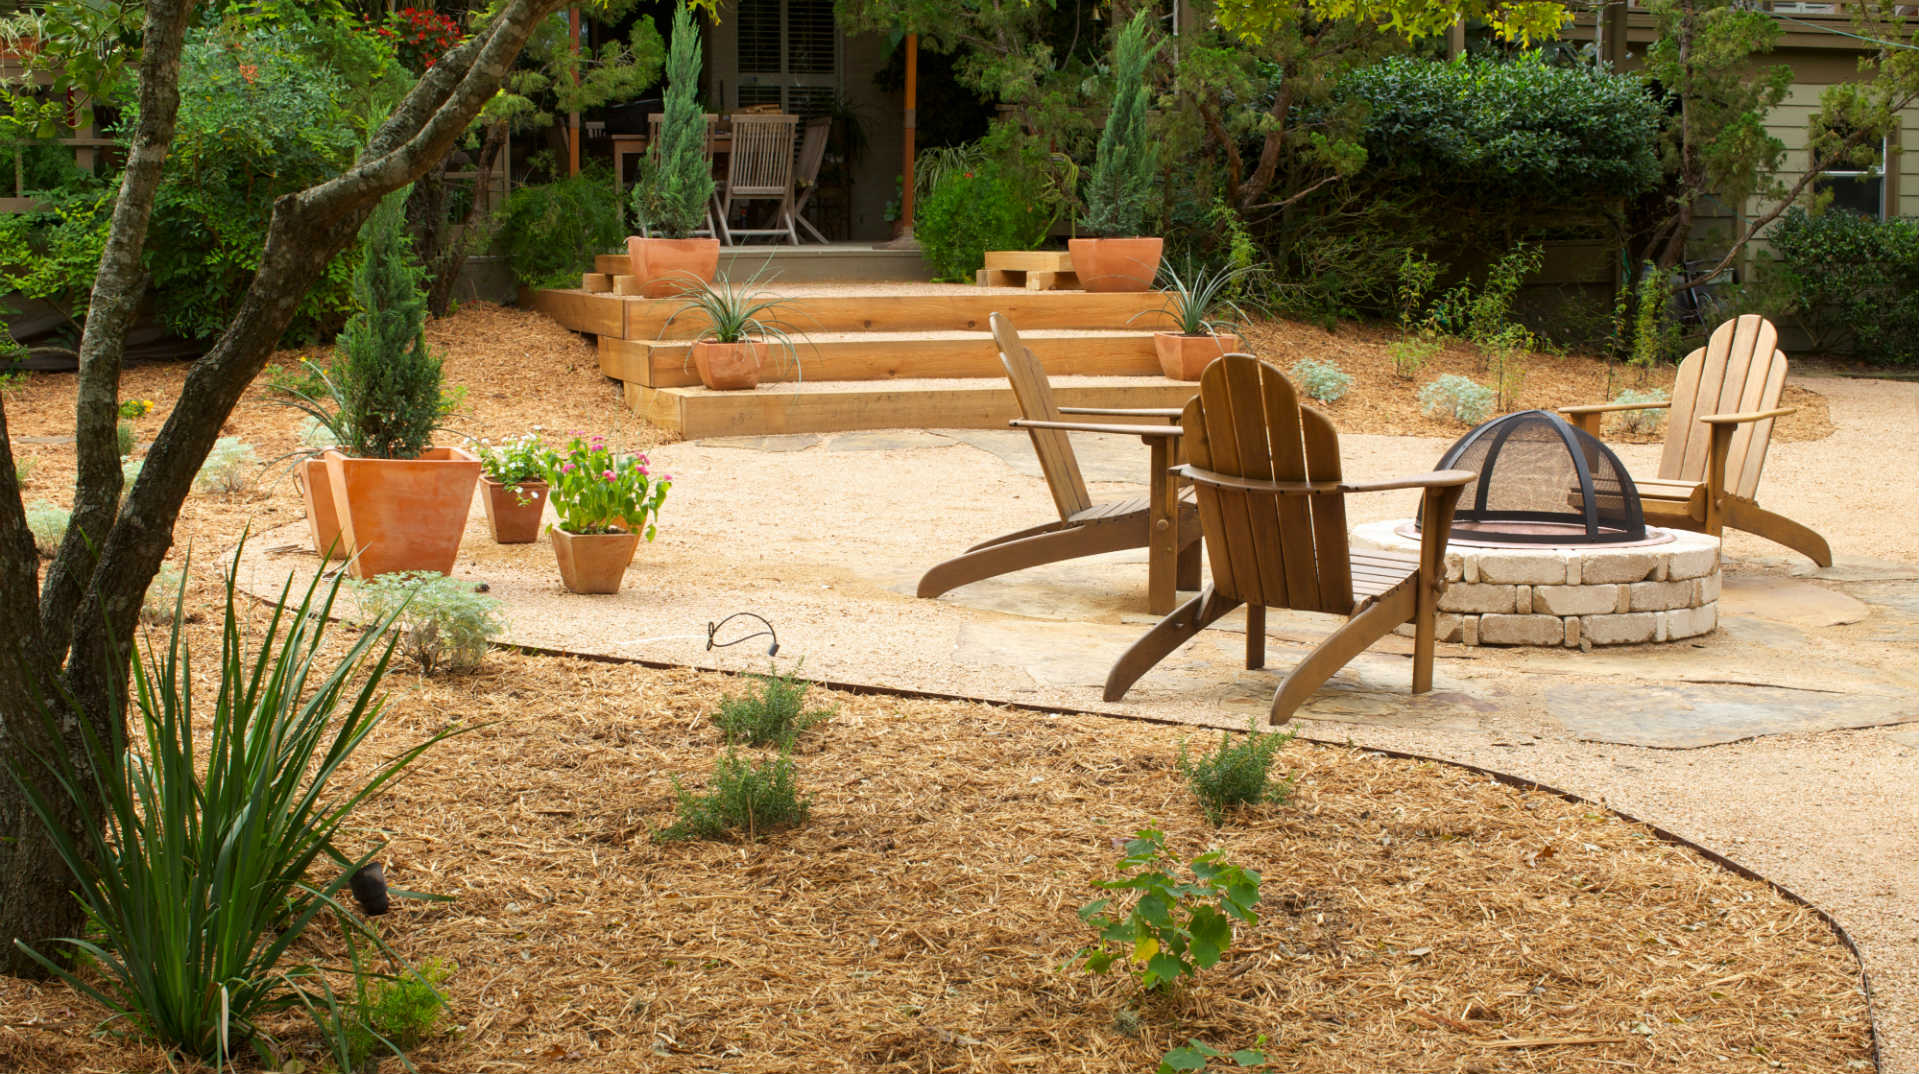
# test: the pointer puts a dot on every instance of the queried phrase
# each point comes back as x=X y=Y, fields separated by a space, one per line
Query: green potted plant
x=1118 y=197
x=675 y=182
x=605 y=503
x=729 y=351
x=513 y=486
x=1196 y=301
x=401 y=501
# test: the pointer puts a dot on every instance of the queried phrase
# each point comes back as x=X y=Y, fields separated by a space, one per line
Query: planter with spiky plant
x=401 y=501
x=1198 y=300
x=675 y=185
x=1119 y=191
x=740 y=328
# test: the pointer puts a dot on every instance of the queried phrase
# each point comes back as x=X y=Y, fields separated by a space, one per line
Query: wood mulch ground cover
x=1413 y=915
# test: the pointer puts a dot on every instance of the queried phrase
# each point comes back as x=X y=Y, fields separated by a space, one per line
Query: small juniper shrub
x=1174 y=928
x=1237 y=773
x=1640 y=422
x=1460 y=398
x=746 y=799
x=1323 y=381
x=49 y=526
x=398 y=1014
x=773 y=715
x=444 y=624
x=228 y=469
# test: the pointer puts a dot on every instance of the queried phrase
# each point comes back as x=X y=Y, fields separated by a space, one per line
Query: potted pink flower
x=605 y=502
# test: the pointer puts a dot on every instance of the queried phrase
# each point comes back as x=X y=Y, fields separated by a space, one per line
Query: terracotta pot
x=593 y=562
x=512 y=521
x=1183 y=357
x=1116 y=264
x=669 y=267
x=403 y=514
x=727 y=366
x=322 y=518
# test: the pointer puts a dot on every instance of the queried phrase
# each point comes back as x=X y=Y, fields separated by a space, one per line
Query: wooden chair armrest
x=1168 y=431
x=1437 y=479
x=1609 y=408
x=1754 y=415
x=1172 y=413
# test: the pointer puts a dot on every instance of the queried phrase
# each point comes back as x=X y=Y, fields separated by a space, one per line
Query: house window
x=1859 y=190
x=788 y=55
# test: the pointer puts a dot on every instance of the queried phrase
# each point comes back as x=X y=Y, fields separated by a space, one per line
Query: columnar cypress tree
x=387 y=380
x=675 y=180
x=1119 y=191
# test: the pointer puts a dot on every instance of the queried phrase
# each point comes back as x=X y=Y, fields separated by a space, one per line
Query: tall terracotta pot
x=727 y=366
x=1116 y=264
x=404 y=514
x=323 y=519
x=1183 y=357
x=593 y=562
x=669 y=267
x=513 y=517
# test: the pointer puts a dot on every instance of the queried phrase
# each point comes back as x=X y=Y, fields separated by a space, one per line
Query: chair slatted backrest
x=1739 y=369
x=1264 y=548
x=654 y=120
x=806 y=172
x=760 y=163
x=1035 y=395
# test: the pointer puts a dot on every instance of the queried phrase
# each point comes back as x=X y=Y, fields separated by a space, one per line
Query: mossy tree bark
x=56 y=636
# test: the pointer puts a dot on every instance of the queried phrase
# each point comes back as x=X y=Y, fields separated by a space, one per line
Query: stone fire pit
x=1665 y=588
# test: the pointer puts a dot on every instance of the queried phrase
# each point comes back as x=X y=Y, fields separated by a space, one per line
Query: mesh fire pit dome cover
x=1542 y=481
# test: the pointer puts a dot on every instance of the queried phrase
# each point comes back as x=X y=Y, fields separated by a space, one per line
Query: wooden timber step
x=841 y=406
x=874 y=308
x=865 y=356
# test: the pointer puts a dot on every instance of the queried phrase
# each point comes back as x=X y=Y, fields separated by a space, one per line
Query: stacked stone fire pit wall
x=1572 y=596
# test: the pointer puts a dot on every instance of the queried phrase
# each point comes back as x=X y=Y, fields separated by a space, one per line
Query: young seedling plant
x=1175 y=928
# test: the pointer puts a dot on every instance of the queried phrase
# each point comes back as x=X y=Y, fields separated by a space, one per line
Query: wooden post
x=573 y=118
x=911 y=121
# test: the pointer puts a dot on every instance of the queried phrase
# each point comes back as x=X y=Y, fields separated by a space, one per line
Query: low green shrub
x=969 y=213
x=49 y=526
x=1236 y=773
x=1484 y=313
x=1410 y=354
x=1323 y=381
x=549 y=233
x=1459 y=398
x=228 y=468
x=443 y=624
x=745 y=799
x=773 y=715
x=396 y=1014
x=1852 y=281
x=1175 y=928
x=1640 y=422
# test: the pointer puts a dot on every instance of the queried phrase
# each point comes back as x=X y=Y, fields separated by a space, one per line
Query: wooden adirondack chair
x=1724 y=402
x=1272 y=504
x=1084 y=528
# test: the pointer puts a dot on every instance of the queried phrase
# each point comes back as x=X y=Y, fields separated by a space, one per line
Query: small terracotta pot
x=1183 y=357
x=1116 y=264
x=322 y=517
x=727 y=366
x=403 y=514
x=669 y=267
x=593 y=562
x=512 y=521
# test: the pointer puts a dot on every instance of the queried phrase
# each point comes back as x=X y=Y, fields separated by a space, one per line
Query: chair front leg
x=1439 y=505
x=1717 y=452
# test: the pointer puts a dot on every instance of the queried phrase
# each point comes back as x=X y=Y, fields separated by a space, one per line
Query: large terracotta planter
x=669 y=267
x=1116 y=264
x=513 y=517
x=727 y=366
x=322 y=518
x=1184 y=357
x=593 y=562
x=403 y=514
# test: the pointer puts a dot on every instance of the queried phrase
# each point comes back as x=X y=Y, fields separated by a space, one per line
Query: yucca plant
x=198 y=886
x=744 y=312
x=1198 y=298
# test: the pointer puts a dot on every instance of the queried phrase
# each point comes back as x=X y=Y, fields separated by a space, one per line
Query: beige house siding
x=1790 y=122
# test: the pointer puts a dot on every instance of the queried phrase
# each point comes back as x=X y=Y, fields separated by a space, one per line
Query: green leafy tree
x=1119 y=191
x=675 y=182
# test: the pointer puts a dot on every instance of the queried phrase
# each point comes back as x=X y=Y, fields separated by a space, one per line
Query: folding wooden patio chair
x=1084 y=528
x=760 y=167
x=1272 y=504
x=1724 y=402
x=807 y=171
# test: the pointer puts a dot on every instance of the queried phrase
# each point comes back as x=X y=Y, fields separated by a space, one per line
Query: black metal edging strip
x=867 y=689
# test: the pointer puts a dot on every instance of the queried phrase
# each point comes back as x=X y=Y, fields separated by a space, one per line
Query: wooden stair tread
x=802 y=338
x=936 y=384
